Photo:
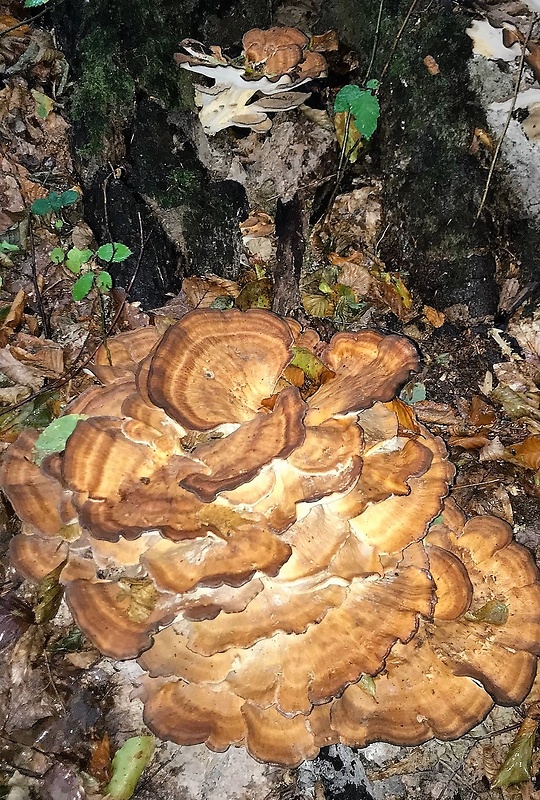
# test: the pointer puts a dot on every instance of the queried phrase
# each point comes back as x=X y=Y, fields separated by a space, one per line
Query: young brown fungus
x=262 y=546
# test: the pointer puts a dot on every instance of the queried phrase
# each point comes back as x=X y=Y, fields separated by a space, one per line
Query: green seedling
x=357 y=115
x=75 y=259
x=54 y=202
x=7 y=247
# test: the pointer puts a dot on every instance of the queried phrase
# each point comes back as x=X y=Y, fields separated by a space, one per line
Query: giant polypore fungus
x=274 y=63
x=252 y=514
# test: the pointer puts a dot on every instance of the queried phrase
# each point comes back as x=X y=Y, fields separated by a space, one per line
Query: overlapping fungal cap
x=274 y=63
x=253 y=515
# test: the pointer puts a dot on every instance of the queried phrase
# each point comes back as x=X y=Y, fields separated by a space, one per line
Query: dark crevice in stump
x=290 y=256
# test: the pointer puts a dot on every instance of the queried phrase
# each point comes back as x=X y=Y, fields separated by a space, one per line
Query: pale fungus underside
x=261 y=541
x=264 y=79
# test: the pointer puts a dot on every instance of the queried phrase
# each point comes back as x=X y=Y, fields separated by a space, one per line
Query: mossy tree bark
x=128 y=91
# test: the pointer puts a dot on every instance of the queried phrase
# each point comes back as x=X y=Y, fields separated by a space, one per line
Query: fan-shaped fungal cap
x=215 y=367
x=276 y=61
x=265 y=550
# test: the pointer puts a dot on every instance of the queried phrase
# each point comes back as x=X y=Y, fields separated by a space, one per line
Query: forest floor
x=60 y=702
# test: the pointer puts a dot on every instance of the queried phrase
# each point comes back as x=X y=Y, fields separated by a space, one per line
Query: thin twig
x=474 y=485
x=375 y=43
x=35 y=283
x=340 y=169
x=52 y=683
x=508 y=119
x=397 y=39
x=25 y=21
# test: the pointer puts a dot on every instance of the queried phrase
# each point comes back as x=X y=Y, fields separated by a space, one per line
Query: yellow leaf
x=353 y=144
x=495 y=612
x=44 y=104
x=317 y=305
x=142 y=596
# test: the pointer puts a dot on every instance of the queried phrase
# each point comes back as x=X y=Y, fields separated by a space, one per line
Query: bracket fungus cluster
x=250 y=513
x=274 y=63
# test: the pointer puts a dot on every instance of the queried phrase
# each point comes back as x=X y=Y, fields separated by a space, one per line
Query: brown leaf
x=431 y=65
x=43 y=354
x=439 y=413
x=18 y=373
x=16 y=311
x=201 y=292
x=434 y=317
x=99 y=765
x=325 y=42
x=353 y=273
x=468 y=442
x=480 y=413
x=405 y=415
x=7 y=21
x=524 y=454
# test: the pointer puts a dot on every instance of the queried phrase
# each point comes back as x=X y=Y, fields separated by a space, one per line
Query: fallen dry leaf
x=43 y=354
x=99 y=765
x=405 y=414
x=18 y=373
x=468 y=442
x=325 y=42
x=438 y=413
x=524 y=454
x=202 y=292
x=481 y=414
x=431 y=65
x=434 y=317
x=16 y=311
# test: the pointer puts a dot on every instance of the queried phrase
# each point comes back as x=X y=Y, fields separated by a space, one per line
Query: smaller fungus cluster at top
x=253 y=515
x=273 y=64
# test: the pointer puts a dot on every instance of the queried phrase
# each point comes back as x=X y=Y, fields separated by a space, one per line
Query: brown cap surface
x=215 y=367
x=368 y=366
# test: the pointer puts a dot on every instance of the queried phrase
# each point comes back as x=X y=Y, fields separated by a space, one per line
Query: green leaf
x=83 y=286
x=121 y=252
x=105 y=252
x=44 y=104
x=7 y=247
x=517 y=766
x=41 y=207
x=104 y=281
x=128 y=765
x=68 y=198
x=222 y=302
x=34 y=3
x=367 y=684
x=54 y=201
x=70 y=643
x=76 y=257
x=325 y=288
x=494 y=612
x=313 y=369
x=362 y=104
x=53 y=439
x=57 y=255
x=114 y=252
